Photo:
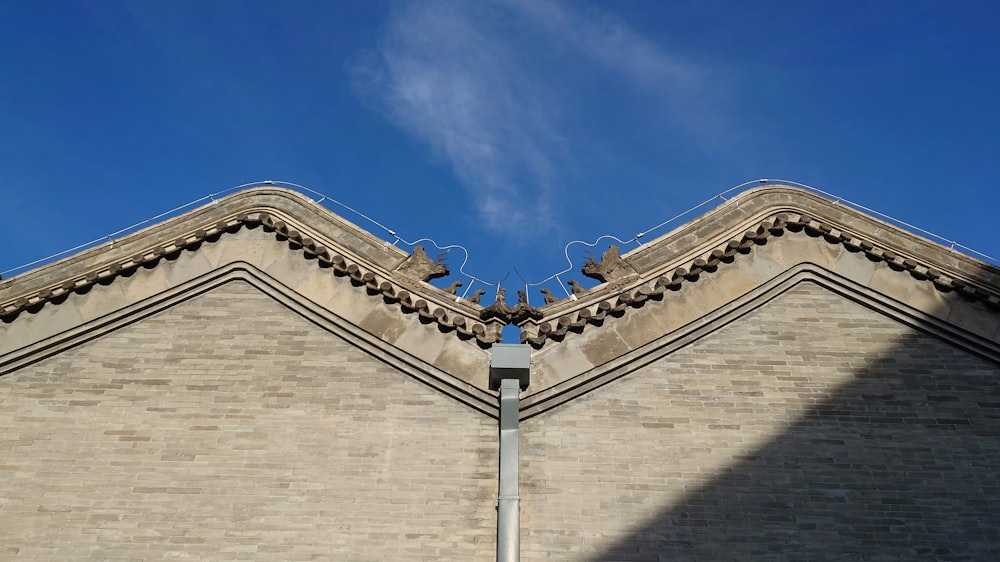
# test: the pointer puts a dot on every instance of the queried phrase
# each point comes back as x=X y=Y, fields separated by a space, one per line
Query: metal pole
x=510 y=373
x=508 y=501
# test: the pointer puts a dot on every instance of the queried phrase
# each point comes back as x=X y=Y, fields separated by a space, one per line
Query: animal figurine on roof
x=420 y=266
x=548 y=296
x=611 y=267
x=453 y=288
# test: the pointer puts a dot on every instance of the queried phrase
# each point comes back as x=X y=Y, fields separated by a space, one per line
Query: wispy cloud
x=479 y=83
x=610 y=42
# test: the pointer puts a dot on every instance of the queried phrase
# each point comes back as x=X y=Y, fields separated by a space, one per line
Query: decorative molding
x=647 y=273
x=611 y=267
x=548 y=398
x=448 y=384
x=411 y=294
x=616 y=300
x=421 y=267
x=519 y=313
x=408 y=297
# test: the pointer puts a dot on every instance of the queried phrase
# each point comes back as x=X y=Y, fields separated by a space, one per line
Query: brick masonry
x=229 y=428
x=809 y=429
x=225 y=426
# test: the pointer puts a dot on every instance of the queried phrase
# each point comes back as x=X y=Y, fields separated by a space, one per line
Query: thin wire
x=527 y=293
x=637 y=238
x=836 y=198
x=448 y=248
x=699 y=205
x=109 y=237
x=861 y=207
x=212 y=197
x=323 y=197
x=570 y=261
x=344 y=205
x=500 y=283
x=565 y=290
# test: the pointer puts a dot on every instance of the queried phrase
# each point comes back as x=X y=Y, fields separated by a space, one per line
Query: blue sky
x=511 y=126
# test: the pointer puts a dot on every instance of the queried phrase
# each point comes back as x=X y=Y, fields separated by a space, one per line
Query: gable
x=291 y=301
x=259 y=377
x=605 y=353
x=654 y=298
x=724 y=263
x=805 y=332
x=228 y=419
x=232 y=333
x=302 y=253
x=799 y=428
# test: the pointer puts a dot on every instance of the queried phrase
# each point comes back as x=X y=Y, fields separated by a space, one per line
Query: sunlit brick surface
x=229 y=428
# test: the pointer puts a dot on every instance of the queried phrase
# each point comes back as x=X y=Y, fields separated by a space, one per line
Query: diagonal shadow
x=901 y=463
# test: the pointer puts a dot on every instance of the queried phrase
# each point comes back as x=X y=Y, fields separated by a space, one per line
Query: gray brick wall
x=810 y=429
x=229 y=428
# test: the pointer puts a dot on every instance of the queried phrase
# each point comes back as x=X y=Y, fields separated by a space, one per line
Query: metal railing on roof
x=394 y=238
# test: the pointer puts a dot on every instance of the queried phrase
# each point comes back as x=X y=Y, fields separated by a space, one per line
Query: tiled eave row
x=717 y=241
x=411 y=295
x=617 y=298
x=389 y=287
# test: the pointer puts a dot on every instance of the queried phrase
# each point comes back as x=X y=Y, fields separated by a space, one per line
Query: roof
x=314 y=261
x=658 y=295
x=736 y=257
x=310 y=230
x=745 y=225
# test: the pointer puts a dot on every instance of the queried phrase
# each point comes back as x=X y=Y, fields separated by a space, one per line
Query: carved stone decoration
x=548 y=296
x=453 y=288
x=420 y=266
x=576 y=287
x=478 y=294
x=523 y=311
x=498 y=309
x=611 y=267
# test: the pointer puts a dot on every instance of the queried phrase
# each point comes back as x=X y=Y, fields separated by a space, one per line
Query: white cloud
x=475 y=81
x=607 y=40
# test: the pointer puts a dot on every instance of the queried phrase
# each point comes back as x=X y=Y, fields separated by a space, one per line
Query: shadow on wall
x=903 y=463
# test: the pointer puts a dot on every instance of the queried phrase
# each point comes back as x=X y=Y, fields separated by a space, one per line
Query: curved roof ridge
x=702 y=245
x=372 y=264
x=751 y=219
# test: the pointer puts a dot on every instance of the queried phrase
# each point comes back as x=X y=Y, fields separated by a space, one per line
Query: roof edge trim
x=409 y=365
x=551 y=397
x=753 y=220
x=370 y=262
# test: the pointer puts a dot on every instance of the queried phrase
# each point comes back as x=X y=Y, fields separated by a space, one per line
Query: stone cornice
x=551 y=396
x=318 y=234
x=735 y=229
x=462 y=391
x=711 y=242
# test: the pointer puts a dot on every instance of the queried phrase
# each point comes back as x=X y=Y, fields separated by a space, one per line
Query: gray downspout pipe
x=509 y=373
x=508 y=500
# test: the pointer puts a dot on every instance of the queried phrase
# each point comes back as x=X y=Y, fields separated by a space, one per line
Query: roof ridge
x=633 y=291
x=411 y=294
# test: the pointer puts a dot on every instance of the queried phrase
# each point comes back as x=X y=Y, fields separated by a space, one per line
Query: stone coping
x=549 y=396
x=734 y=229
x=317 y=233
x=718 y=260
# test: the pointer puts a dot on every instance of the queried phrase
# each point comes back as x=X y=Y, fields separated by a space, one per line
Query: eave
x=311 y=231
x=745 y=224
